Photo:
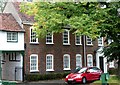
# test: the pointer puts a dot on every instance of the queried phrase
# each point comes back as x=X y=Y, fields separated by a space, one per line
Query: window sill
x=10 y=41
x=66 y=69
x=34 y=43
x=78 y=44
x=100 y=45
x=34 y=71
x=65 y=44
x=89 y=44
x=50 y=70
x=49 y=43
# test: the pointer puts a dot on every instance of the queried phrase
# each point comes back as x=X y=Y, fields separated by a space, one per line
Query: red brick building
x=56 y=52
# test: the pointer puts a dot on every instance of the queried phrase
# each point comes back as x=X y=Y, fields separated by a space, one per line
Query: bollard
x=104 y=78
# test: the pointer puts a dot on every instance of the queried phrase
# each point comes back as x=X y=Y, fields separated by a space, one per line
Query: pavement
x=44 y=82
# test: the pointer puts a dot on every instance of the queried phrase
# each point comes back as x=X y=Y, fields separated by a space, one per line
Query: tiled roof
x=8 y=23
x=23 y=16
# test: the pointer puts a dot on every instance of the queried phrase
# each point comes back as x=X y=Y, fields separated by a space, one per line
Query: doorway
x=101 y=63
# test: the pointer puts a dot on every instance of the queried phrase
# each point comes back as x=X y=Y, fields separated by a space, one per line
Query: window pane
x=78 y=61
x=12 y=36
x=66 y=37
x=49 y=38
x=33 y=63
x=66 y=62
x=88 y=40
x=8 y=36
x=77 y=40
x=100 y=41
x=33 y=36
x=89 y=60
x=49 y=62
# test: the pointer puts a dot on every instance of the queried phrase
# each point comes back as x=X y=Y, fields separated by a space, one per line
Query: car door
x=89 y=74
x=96 y=73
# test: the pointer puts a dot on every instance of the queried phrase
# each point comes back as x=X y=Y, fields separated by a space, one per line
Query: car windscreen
x=82 y=70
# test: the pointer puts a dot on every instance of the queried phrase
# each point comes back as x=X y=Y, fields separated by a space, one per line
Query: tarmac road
x=47 y=82
x=44 y=82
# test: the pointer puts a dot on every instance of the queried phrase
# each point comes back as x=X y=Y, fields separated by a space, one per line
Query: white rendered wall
x=11 y=9
x=100 y=54
x=11 y=46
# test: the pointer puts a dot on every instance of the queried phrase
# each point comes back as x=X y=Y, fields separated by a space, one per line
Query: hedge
x=49 y=76
x=113 y=71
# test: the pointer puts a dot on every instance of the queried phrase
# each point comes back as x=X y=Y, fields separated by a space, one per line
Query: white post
x=105 y=65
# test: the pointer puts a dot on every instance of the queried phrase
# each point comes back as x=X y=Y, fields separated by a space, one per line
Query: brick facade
x=57 y=50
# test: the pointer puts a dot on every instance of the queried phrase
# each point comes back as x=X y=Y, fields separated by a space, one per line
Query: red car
x=83 y=75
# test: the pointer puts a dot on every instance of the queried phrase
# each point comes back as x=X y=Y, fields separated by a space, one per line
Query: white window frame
x=100 y=41
x=49 y=36
x=34 y=55
x=31 y=28
x=67 y=38
x=89 y=61
x=112 y=64
x=78 y=40
x=89 y=41
x=110 y=41
x=68 y=56
x=78 y=63
x=12 y=37
x=52 y=67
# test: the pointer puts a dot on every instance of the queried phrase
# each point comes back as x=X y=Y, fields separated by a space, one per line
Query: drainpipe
x=0 y=68
x=23 y=68
x=84 y=50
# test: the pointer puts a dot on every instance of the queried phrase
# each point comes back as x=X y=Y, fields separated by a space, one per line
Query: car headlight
x=67 y=76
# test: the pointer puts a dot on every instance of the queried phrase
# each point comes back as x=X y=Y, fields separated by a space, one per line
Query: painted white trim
x=52 y=69
x=112 y=64
x=91 y=59
x=30 y=37
x=11 y=36
x=98 y=55
x=80 y=56
x=36 y=55
x=100 y=40
x=52 y=39
x=76 y=40
x=68 y=37
x=89 y=41
x=67 y=55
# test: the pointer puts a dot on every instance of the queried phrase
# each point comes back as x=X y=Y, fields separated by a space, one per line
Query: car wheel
x=84 y=80
x=100 y=78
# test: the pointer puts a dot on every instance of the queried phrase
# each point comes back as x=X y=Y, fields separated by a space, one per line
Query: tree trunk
x=119 y=67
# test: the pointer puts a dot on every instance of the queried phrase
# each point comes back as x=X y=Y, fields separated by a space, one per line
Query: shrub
x=112 y=71
x=49 y=76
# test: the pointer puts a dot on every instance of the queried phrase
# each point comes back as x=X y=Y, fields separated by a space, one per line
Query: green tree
x=83 y=18
x=86 y=18
x=110 y=28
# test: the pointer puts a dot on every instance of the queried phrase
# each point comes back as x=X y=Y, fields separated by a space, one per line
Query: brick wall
x=57 y=49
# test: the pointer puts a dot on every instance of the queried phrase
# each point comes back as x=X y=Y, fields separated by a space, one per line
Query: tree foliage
x=111 y=29
x=83 y=18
